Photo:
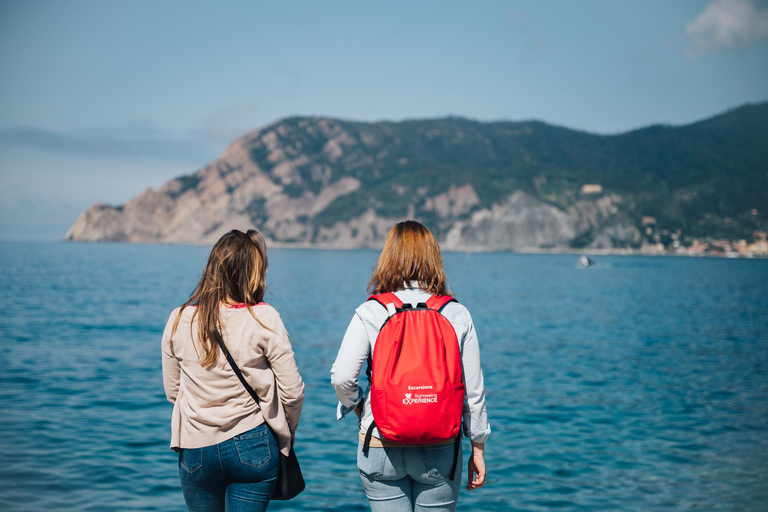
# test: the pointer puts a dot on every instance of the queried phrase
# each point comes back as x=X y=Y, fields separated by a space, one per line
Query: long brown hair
x=234 y=273
x=410 y=253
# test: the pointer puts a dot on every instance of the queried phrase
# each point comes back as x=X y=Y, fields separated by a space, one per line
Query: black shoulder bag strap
x=236 y=369
x=290 y=481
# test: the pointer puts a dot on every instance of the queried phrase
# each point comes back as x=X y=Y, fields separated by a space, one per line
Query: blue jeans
x=237 y=475
x=410 y=479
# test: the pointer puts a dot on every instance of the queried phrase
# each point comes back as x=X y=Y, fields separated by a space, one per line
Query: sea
x=639 y=384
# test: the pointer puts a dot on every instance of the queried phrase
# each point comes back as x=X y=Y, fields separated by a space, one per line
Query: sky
x=101 y=99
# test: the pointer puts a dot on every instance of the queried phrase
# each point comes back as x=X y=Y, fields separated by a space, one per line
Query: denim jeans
x=237 y=475
x=410 y=479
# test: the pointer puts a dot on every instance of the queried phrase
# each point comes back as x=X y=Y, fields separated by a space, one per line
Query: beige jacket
x=211 y=405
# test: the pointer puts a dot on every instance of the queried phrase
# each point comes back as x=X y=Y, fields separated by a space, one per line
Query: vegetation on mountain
x=703 y=180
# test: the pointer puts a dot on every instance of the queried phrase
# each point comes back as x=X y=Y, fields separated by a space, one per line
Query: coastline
x=680 y=252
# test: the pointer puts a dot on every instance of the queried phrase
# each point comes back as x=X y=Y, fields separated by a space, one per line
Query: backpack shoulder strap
x=438 y=302
x=387 y=298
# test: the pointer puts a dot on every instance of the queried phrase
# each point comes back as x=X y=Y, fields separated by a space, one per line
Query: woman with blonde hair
x=410 y=477
x=229 y=443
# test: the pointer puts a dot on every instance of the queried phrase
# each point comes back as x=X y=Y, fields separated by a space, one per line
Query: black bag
x=290 y=481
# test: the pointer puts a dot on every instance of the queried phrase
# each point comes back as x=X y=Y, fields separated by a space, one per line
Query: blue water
x=639 y=385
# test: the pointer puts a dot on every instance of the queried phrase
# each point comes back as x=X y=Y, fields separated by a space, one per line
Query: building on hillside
x=592 y=188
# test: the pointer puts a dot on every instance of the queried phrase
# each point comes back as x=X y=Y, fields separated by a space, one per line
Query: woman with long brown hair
x=409 y=276
x=228 y=443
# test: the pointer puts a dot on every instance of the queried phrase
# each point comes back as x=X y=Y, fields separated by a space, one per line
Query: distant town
x=717 y=247
x=665 y=241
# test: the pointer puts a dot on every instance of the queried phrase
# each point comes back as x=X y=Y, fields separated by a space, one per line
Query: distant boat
x=585 y=261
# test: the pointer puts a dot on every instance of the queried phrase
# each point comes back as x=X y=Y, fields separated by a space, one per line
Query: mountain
x=477 y=185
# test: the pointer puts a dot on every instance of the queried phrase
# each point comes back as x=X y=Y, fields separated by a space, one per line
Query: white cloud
x=728 y=24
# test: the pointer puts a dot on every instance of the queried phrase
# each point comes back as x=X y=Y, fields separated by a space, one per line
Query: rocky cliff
x=478 y=186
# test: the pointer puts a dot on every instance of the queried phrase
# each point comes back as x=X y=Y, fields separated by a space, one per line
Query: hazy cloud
x=520 y=23
x=134 y=141
x=227 y=124
x=140 y=139
x=728 y=24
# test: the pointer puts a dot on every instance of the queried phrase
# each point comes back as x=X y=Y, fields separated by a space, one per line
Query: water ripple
x=641 y=385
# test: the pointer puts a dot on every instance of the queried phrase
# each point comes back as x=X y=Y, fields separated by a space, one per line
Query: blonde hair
x=410 y=253
x=235 y=272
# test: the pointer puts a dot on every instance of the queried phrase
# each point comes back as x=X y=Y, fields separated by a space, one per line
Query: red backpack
x=417 y=385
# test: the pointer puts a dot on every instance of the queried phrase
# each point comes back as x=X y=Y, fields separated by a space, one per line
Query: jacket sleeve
x=476 y=426
x=290 y=387
x=171 y=369
x=345 y=371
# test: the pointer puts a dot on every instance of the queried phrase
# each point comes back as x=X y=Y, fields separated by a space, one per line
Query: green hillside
x=705 y=180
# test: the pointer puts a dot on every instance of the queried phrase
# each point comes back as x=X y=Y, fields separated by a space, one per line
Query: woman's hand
x=359 y=410
x=476 y=467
